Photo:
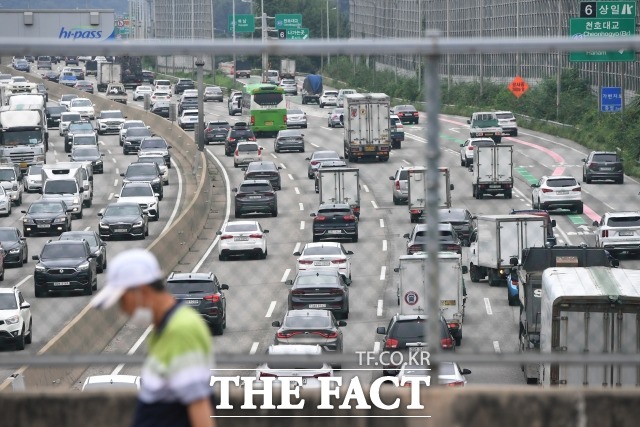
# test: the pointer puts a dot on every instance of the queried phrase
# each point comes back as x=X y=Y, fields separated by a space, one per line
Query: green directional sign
x=297 y=33
x=244 y=23
x=286 y=21
x=602 y=27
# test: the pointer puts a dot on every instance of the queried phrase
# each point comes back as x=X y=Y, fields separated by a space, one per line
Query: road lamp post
x=233 y=27
x=328 y=55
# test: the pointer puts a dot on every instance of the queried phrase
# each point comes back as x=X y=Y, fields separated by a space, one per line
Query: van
x=43 y=62
x=273 y=76
x=86 y=170
x=64 y=182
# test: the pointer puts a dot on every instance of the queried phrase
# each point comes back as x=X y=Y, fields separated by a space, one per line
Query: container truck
x=340 y=185
x=590 y=310
x=242 y=68
x=493 y=171
x=413 y=288
x=312 y=89
x=107 y=73
x=416 y=191
x=497 y=244
x=524 y=288
x=130 y=72
x=288 y=68
x=367 y=128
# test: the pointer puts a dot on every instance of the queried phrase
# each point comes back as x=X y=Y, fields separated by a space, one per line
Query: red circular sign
x=411 y=298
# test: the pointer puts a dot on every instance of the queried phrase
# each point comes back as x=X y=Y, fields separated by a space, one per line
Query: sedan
x=310 y=327
x=51 y=76
x=296 y=118
x=162 y=109
x=84 y=85
x=324 y=256
x=334 y=221
x=449 y=374
x=5 y=202
x=289 y=140
x=123 y=220
x=335 y=117
x=16 y=249
x=242 y=238
x=84 y=153
x=141 y=91
x=32 y=179
x=212 y=93
x=406 y=113
x=326 y=290
x=133 y=138
x=46 y=216
x=97 y=245
x=289 y=86
x=145 y=172
x=314 y=160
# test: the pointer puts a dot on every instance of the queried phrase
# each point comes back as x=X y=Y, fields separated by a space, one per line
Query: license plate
x=606 y=169
x=241 y=239
x=448 y=302
x=625 y=233
x=321 y=263
x=495 y=186
x=268 y=123
x=370 y=148
x=334 y=231
x=24 y=164
x=120 y=230
x=255 y=197
x=44 y=225
x=61 y=283
x=192 y=301
x=562 y=192
x=317 y=305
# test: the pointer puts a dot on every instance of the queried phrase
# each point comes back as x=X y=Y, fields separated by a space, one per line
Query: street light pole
x=200 y=126
x=328 y=55
x=234 y=40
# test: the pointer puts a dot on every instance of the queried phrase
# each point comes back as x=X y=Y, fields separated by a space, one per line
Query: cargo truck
x=485 y=124
x=340 y=185
x=287 y=68
x=412 y=288
x=524 y=288
x=417 y=187
x=130 y=72
x=312 y=89
x=497 y=244
x=367 y=127
x=493 y=171
x=107 y=73
x=242 y=68
x=592 y=310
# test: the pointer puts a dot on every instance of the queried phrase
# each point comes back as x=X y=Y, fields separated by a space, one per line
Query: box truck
x=340 y=185
x=493 y=171
x=367 y=128
x=416 y=190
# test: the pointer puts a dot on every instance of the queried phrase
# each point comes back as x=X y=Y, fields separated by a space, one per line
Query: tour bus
x=264 y=106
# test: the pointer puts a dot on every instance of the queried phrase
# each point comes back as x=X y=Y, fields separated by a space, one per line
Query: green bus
x=265 y=108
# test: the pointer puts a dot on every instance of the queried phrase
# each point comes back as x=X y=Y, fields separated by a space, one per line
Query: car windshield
x=8 y=235
x=325 y=155
x=84 y=140
x=153 y=143
x=136 y=191
x=89 y=237
x=34 y=170
x=624 y=221
x=241 y=228
x=295 y=112
x=60 y=186
x=45 y=208
x=189 y=286
x=63 y=251
x=86 y=152
x=322 y=250
x=307 y=322
x=562 y=182
x=143 y=169
x=144 y=89
x=255 y=188
x=504 y=116
x=601 y=158
x=121 y=211
x=268 y=99
x=138 y=131
x=411 y=329
x=8 y=302
x=56 y=109
x=73 y=127
x=316 y=280
x=111 y=115
x=7 y=175
x=81 y=103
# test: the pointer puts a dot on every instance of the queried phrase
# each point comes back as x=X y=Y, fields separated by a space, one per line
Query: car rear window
x=562 y=182
x=326 y=155
x=601 y=158
x=251 y=188
x=138 y=131
x=239 y=228
x=319 y=280
x=624 y=221
x=483 y=143
x=334 y=212
x=504 y=116
x=248 y=147
x=322 y=250
x=307 y=322
x=241 y=133
x=408 y=329
x=190 y=286
x=445 y=235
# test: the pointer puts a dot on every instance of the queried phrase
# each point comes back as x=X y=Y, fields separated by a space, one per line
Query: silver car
x=449 y=374
x=316 y=157
x=290 y=87
x=400 y=188
x=296 y=118
x=212 y=93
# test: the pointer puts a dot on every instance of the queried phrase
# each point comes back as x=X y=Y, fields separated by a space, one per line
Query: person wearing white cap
x=175 y=377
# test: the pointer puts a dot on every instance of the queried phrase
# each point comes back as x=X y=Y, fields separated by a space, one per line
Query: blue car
x=513 y=294
x=21 y=65
x=68 y=79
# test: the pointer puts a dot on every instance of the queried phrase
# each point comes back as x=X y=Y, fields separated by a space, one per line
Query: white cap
x=128 y=270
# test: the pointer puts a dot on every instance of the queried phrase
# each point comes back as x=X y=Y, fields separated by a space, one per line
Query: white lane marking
x=117 y=171
x=366 y=189
x=301 y=206
x=110 y=196
x=114 y=160
x=115 y=182
x=100 y=142
x=55 y=152
x=381 y=223
x=87 y=228
x=496 y=346
x=384 y=246
x=376 y=347
x=226 y=213
x=283 y=166
x=317 y=146
x=23 y=281
x=273 y=155
x=379 y=310
x=133 y=349
x=285 y=275
x=487 y=305
x=296 y=248
x=272 y=307
x=176 y=207
x=406 y=161
x=109 y=151
x=383 y=272
x=297 y=190
x=375 y=205
x=254 y=348
x=301 y=225
x=290 y=177
x=454 y=130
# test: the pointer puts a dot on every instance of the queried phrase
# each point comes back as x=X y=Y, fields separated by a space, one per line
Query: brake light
x=236 y=153
x=320 y=218
x=231 y=139
x=330 y=334
x=263 y=375
x=285 y=118
x=212 y=298
x=298 y=292
x=577 y=189
x=255 y=236
x=446 y=343
x=415 y=211
x=397 y=185
x=253 y=120
x=314 y=162
x=452 y=325
x=259 y=151
x=252 y=138
x=225 y=237
x=338 y=261
x=304 y=262
x=349 y=217
x=605 y=233
x=470 y=147
x=456 y=384
x=415 y=114
x=391 y=343
x=547 y=190
x=452 y=247
x=336 y=292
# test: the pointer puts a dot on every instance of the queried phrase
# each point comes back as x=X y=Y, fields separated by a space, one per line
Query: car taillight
x=225 y=237
x=259 y=151
x=251 y=138
x=304 y=262
x=547 y=190
x=329 y=334
x=415 y=211
x=452 y=248
x=236 y=153
x=349 y=217
x=470 y=148
x=415 y=114
x=391 y=343
x=397 y=185
x=285 y=118
x=253 y=120
x=446 y=342
x=320 y=218
x=456 y=384
x=263 y=375
x=286 y=334
x=314 y=162
x=255 y=236
x=338 y=261
x=298 y=292
x=577 y=189
x=231 y=139
x=452 y=325
x=212 y=298
x=605 y=233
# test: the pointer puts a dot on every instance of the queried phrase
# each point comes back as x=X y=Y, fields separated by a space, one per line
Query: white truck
x=367 y=128
x=485 y=124
x=412 y=288
x=340 y=185
x=497 y=243
x=288 y=68
x=107 y=73
x=586 y=311
x=24 y=138
x=60 y=182
x=416 y=190
x=493 y=171
x=18 y=88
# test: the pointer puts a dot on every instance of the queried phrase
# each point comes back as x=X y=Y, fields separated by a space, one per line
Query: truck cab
x=485 y=124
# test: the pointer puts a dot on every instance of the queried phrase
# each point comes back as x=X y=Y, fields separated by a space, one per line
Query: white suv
x=247 y=152
x=557 y=192
x=328 y=97
x=308 y=372
x=84 y=107
x=109 y=121
x=507 y=122
x=467 y=150
x=618 y=231
x=188 y=119
x=15 y=317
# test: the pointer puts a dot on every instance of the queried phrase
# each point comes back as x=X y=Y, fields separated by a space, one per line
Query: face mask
x=142 y=316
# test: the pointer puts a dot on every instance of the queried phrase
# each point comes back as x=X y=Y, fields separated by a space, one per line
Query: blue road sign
x=610 y=99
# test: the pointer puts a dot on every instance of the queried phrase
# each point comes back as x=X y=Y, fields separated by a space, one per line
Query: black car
x=86 y=153
x=406 y=333
x=320 y=289
x=603 y=165
x=53 y=113
x=51 y=76
x=161 y=108
x=406 y=113
x=183 y=84
x=156 y=145
x=203 y=292
x=146 y=172
x=16 y=249
x=46 y=217
x=81 y=127
x=239 y=132
x=187 y=103
x=334 y=221
x=123 y=219
x=96 y=244
x=42 y=90
x=461 y=220
x=447 y=237
x=264 y=170
x=255 y=196
x=289 y=140
x=65 y=266
x=71 y=60
x=216 y=131
x=133 y=137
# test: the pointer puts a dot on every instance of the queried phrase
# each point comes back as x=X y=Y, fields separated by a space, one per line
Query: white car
x=111 y=382
x=341 y=94
x=467 y=150
x=5 y=79
x=507 y=122
x=308 y=372
x=142 y=194
x=65 y=99
x=141 y=91
x=149 y=157
x=5 y=202
x=65 y=120
x=160 y=95
x=449 y=374
x=290 y=87
x=557 y=192
x=296 y=118
x=15 y=317
x=618 y=231
x=83 y=106
x=190 y=93
x=328 y=97
x=109 y=121
x=164 y=85
x=247 y=152
x=33 y=178
x=188 y=119
x=130 y=124
x=242 y=238
x=325 y=256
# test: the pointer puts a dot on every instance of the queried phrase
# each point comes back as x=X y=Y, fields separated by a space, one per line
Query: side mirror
x=100 y=214
x=169 y=147
x=289 y=282
x=122 y=174
x=381 y=330
x=595 y=223
x=465 y=269
x=224 y=287
x=116 y=196
x=468 y=121
x=461 y=145
x=584 y=160
x=93 y=256
x=391 y=178
x=24 y=212
x=307 y=158
x=615 y=263
x=553 y=223
x=25 y=305
x=466 y=371
x=265 y=231
x=535 y=185
x=297 y=253
x=341 y=157
x=81 y=190
x=276 y=323
x=235 y=190
x=451 y=187
x=312 y=214
x=349 y=252
x=396 y=270
x=218 y=233
x=35 y=257
x=279 y=167
x=406 y=235
x=342 y=323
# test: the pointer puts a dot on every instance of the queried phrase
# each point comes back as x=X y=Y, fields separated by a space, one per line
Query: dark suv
x=462 y=222
x=81 y=127
x=264 y=170
x=603 y=165
x=239 y=132
x=65 y=265
x=216 y=131
x=335 y=221
x=203 y=292
x=132 y=139
x=183 y=84
x=145 y=172
x=255 y=195
x=187 y=103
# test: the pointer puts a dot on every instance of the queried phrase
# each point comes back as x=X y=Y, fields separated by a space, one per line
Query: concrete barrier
x=91 y=330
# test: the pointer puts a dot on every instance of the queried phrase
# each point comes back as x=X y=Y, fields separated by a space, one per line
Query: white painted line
x=496 y=346
x=454 y=130
x=23 y=281
x=87 y=228
x=109 y=151
x=133 y=349
x=117 y=171
x=100 y=142
x=375 y=205
x=285 y=275
x=110 y=196
x=301 y=206
x=379 y=310
x=296 y=248
x=115 y=182
x=297 y=190
x=384 y=246
x=487 y=305
x=317 y=146
x=301 y=225
x=376 y=347
x=254 y=348
x=272 y=306
x=381 y=223
x=114 y=159
x=383 y=272
x=406 y=161
x=273 y=155
x=176 y=206
x=283 y=166
x=290 y=177
x=366 y=189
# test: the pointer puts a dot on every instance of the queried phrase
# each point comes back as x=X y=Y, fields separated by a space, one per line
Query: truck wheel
x=459 y=339
x=473 y=272
x=508 y=194
x=493 y=280
x=513 y=300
